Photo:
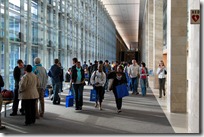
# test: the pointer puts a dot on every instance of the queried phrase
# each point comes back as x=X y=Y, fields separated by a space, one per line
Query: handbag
x=93 y=96
x=122 y=91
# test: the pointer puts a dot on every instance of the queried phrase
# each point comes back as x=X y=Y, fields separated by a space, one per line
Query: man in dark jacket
x=54 y=73
x=17 y=74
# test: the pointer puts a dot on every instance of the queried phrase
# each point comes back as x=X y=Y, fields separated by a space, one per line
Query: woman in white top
x=161 y=71
x=98 y=80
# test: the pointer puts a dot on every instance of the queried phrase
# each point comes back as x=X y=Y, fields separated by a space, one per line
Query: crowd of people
x=31 y=83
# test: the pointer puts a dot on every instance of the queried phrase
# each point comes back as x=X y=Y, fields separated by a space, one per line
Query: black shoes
x=79 y=108
x=13 y=114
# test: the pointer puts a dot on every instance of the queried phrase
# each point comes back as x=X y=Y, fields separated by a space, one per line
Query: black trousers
x=30 y=110
x=118 y=101
x=161 y=86
x=16 y=102
x=99 y=93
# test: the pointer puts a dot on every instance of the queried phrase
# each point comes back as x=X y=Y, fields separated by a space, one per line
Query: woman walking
x=119 y=79
x=98 y=80
x=161 y=71
x=143 y=78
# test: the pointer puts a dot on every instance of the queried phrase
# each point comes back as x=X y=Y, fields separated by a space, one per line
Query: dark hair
x=28 y=68
x=95 y=61
x=100 y=62
x=75 y=60
x=56 y=61
x=19 y=61
x=106 y=61
x=120 y=67
x=143 y=64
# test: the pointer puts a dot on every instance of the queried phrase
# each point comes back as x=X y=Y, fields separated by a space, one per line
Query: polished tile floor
x=179 y=121
x=140 y=115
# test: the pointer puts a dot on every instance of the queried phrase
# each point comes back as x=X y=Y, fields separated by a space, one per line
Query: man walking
x=134 y=75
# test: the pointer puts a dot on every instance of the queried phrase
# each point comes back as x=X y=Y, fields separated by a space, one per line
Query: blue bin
x=69 y=101
x=46 y=93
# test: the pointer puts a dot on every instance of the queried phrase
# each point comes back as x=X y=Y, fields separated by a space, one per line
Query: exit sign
x=195 y=16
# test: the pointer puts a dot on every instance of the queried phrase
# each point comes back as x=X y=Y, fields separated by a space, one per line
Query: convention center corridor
x=139 y=115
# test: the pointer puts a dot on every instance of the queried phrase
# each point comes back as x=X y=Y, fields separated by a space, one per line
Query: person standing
x=54 y=73
x=73 y=68
x=119 y=78
x=143 y=78
x=41 y=73
x=17 y=74
x=98 y=79
x=78 y=81
x=85 y=66
x=107 y=71
x=161 y=71
x=89 y=70
x=61 y=77
x=134 y=75
x=28 y=92
x=1 y=99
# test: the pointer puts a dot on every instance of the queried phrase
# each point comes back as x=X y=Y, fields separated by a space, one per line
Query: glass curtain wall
x=51 y=29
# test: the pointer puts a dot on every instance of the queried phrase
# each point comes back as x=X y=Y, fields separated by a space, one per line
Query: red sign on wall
x=195 y=16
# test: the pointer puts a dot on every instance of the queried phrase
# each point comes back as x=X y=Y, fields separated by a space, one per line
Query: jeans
x=134 y=82
x=55 y=92
x=78 y=88
x=143 y=83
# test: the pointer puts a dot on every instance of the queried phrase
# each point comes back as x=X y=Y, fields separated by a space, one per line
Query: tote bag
x=122 y=91
x=93 y=96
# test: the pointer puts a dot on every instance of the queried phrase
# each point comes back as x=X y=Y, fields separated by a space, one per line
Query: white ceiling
x=125 y=15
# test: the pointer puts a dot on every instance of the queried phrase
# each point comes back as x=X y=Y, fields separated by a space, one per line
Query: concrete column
x=158 y=38
x=176 y=55
x=44 y=45
x=29 y=34
x=6 y=44
x=22 y=32
x=193 y=72
x=145 y=49
x=150 y=34
x=56 y=29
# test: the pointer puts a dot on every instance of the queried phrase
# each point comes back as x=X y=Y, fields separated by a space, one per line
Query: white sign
x=195 y=16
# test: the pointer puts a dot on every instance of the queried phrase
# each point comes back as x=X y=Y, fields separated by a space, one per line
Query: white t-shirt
x=161 y=74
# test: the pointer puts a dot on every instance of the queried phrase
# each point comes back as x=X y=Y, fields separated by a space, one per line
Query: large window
x=73 y=28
